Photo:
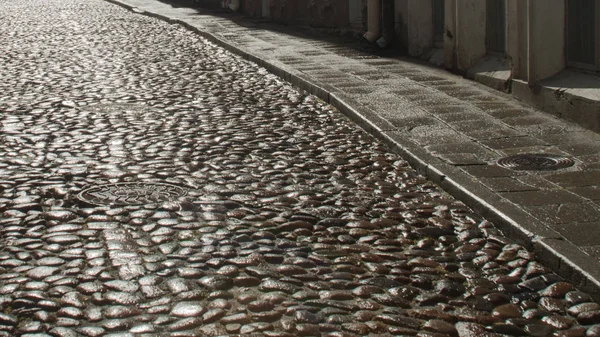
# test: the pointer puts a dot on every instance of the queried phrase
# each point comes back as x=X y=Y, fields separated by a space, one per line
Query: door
x=495 y=38
x=581 y=33
x=438 y=22
x=265 y=9
x=355 y=12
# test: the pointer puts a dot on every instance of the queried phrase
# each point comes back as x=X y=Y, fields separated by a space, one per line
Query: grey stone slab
x=453 y=108
x=575 y=178
x=525 y=121
x=420 y=77
x=329 y=75
x=489 y=171
x=593 y=251
x=538 y=198
x=433 y=102
x=460 y=91
x=485 y=128
x=362 y=72
x=595 y=166
x=478 y=124
x=506 y=184
x=509 y=112
x=589 y=160
x=302 y=82
x=493 y=106
x=580 y=233
x=461 y=159
x=381 y=62
x=432 y=105
x=431 y=135
x=312 y=52
x=515 y=220
x=588 y=192
x=544 y=129
x=411 y=92
x=362 y=115
x=479 y=98
x=292 y=59
x=259 y=45
x=425 y=99
x=537 y=182
x=373 y=76
x=386 y=98
x=360 y=90
x=411 y=122
x=571 y=135
x=582 y=149
x=565 y=213
x=462 y=117
x=416 y=156
x=462 y=147
x=442 y=82
x=345 y=83
x=513 y=142
x=311 y=68
x=485 y=134
x=399 y=70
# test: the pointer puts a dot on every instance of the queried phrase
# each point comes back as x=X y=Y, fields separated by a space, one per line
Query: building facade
x=340 y=14
x=539 y=37
x=532 y=48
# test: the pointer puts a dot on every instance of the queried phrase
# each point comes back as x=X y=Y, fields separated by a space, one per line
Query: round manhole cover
x=126 y=194
x=536 y=162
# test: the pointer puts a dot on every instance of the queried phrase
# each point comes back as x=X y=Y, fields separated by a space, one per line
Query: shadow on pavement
x=351 y=40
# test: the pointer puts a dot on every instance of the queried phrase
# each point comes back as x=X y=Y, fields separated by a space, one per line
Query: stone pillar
x=516 y=37
x=450 y=35
x=546 y=39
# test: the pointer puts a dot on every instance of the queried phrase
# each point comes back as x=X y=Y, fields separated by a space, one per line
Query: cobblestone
x=295 y=222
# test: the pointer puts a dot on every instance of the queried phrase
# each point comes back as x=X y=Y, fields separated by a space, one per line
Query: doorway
x=495 y=38
x=582 y=38
x=439 y=15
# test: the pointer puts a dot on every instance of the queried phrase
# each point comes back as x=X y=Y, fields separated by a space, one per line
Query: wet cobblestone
x=295 y=222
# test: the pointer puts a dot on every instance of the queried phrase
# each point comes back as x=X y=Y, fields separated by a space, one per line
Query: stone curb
x=561 y=256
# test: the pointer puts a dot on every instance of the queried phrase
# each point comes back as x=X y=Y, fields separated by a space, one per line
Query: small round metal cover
x=535 y=162
x=130 y=194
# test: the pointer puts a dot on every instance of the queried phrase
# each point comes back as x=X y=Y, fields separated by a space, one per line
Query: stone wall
x=252 y=7
x=316 y=13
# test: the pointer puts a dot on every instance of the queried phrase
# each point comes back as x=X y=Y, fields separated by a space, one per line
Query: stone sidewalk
x=450 y=129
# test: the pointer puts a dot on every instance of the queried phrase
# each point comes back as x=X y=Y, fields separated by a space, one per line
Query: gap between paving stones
x=551 y=249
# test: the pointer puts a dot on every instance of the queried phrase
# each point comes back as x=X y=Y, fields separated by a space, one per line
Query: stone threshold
x=570 y=95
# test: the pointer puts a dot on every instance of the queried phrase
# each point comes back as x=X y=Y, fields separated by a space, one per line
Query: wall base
x=492 y=71
x=569 y=95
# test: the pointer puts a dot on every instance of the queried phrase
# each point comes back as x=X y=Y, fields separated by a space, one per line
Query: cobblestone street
x=154 y=184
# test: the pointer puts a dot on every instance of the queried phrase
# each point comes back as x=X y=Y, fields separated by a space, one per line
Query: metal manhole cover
x=129 y=194
x=535 y=162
